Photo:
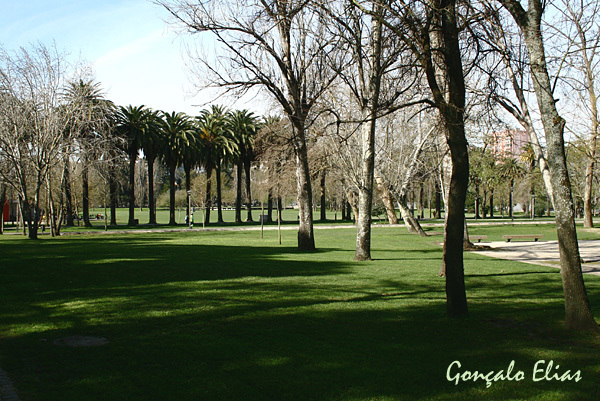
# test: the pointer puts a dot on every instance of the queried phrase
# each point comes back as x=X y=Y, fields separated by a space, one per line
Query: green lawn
x=228 y=316
x=162 y=216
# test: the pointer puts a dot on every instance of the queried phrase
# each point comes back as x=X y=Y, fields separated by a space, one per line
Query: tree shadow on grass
x=354 y=350
x=269 y=323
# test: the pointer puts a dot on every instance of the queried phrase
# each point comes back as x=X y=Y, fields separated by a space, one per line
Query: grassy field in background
x=289 y=216
x=230 y=316
x=162 y=216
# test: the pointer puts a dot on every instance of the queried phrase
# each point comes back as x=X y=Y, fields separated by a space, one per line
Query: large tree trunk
x=371 y=84
x=365 y=189
x=450 y=99
x=247 y=166
x=131 y=220
x=238 y=193
x=306 y=236
x=86 y=196
x=578 y=312
x=219 y=195
x=151 y=203
x=172 y=221
x=454 y=229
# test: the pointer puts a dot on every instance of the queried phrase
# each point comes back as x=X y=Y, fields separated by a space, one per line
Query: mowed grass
x=289 y=216
x=230 y=316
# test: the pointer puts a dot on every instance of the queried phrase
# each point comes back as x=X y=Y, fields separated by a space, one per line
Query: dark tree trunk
x=510 y=199
x=451 y=103
x=438 y=202
x=2 y=201
x=112 y=189
x=279 y=208
x=477 y=216
x=70 y=221
x=247 y=166
x=454 y=231
x=172 y=221
x=27 y=217
x=131 y=220
x=238 y=193
x=219 y=195
x=35 y=214
x=86 y=197
x=323 y=199
x=587 y=196
x=491 y=203
x=270 y=206
x=208 y=202
x=188 y=187
x=421 y=208
x=151 y=202
x=577 y=307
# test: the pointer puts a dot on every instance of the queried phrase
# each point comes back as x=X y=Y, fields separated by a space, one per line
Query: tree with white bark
x=577 y=307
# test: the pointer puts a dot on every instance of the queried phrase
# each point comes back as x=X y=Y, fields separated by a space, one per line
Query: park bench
x=477 y=238
x=534 y=237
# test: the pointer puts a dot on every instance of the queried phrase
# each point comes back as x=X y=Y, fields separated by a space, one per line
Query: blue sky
x=136 y=56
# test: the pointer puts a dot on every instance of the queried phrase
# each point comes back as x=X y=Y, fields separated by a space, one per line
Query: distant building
x=509 y=143
x=9 y=211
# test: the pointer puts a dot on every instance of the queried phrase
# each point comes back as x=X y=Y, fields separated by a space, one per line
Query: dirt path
x=544 y=253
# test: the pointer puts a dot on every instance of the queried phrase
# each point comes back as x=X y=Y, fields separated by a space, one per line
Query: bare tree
x=34 y=123
x=377 y=75
x=577 y=307
x=279 y=46
x=578 y=41
x=513 y=56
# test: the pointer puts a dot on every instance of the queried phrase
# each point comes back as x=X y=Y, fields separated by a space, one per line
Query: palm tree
x=217 y=145
x=177 y=135
x=511 y=170
x=191 y=156
x=244 y=126
x=133 y=123
x=151 y=145
x=90 y=122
